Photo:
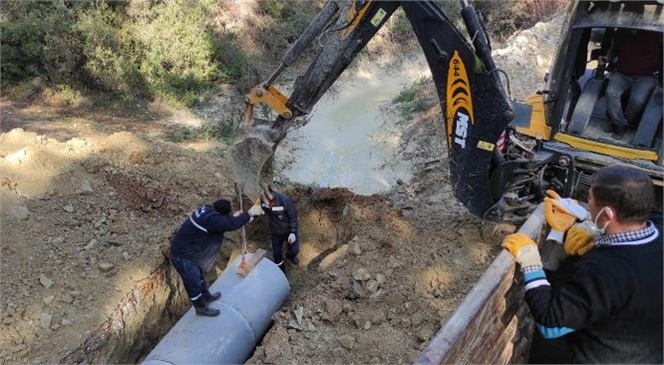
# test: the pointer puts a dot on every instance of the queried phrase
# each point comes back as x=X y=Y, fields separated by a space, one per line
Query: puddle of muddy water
x=350 y=141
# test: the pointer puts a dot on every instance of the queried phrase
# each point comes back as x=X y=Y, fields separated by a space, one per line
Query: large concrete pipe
x=246 y=307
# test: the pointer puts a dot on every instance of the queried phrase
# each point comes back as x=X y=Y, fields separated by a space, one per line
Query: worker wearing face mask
x=609 y=307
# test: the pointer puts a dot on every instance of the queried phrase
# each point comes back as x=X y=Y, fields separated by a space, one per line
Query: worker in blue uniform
x=196 y=245
x=282 y=212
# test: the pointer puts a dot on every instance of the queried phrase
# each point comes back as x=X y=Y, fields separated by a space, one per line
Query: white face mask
x=592 y=226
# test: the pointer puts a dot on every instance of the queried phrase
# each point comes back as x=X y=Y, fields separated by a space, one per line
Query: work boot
x=203 y=310
x=618 y=132
x=282 y=267
x=211 y=297
x=295 y=260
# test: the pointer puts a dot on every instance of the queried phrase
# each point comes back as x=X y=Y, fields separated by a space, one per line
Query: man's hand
x=580 y=239
x=567 y=205
x=561 y=214
x=291 y=238
x=523 y=248
x=255 y=210
x=237 y=214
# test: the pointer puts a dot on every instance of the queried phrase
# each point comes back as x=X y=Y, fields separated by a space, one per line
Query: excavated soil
x=90 y=197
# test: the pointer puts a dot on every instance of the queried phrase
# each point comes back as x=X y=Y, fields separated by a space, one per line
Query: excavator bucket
x=253 y=155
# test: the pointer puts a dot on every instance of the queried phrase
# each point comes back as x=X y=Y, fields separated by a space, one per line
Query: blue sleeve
x=217 y=223
x=292 y=214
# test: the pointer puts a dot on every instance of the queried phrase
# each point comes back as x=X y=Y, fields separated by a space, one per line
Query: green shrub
x=416 y=98
x=111 y=54
x=25 y=90
x=287 y=19
x=504 y=17
x=222 y=130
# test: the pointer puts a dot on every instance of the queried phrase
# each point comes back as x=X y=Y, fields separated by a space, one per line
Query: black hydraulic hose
x=312 y=31
x=479 y=37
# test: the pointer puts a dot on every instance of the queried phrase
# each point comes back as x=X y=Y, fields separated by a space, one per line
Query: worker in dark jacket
x=283 y=224
x=195 y=247
x=610 y=306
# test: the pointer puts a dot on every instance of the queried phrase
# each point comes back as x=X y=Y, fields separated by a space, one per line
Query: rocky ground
x=88 y=198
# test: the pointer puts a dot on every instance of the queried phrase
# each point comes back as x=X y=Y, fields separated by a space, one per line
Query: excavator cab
x=572 y=115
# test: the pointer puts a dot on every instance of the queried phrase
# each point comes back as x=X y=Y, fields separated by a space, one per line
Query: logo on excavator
x=459 y=102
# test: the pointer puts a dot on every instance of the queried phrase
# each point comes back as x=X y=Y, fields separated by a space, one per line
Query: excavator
x=503 y=154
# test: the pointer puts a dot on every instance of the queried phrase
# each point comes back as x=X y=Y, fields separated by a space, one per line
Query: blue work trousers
x=192 y=277
x=278 y=240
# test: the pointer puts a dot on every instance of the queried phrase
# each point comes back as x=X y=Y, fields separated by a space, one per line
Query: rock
x=293 y=324
x=105 y=267
x=18 y=156
x=424 y=333
x=86 y=189
x=354 y=247
x=46 y=319
x=332 y=258
x=372 y=286
x=393 y=263
x=394 y=299
x=377 y=317
x=298 y=312
x=346 y=341
x=357 y=290
x=277 y=348
x=20 y=212
x=417 y=318
x=361 y=274
x=68 y=208
x=380 y=279
x=90 y=245
x=58 y=240
x=45 y=281
x=333 y=309
x=126 y=256
x=47 y=300
x=66 y=298
x=66 y=322
x=367 y=325
x=377 y=294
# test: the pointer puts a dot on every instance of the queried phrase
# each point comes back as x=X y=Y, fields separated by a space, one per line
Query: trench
x=152 y=307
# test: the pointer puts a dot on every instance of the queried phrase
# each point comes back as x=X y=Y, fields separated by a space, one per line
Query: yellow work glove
x=567 y=205
x=523 y=248
x=580 y=239
x=561 y=214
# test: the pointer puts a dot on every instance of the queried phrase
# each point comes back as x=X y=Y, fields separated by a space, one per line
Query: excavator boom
x=475 y=108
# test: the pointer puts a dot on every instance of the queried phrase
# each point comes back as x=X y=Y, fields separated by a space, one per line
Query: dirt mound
x=82 y=221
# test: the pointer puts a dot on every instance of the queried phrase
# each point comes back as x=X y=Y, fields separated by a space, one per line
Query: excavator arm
x=475 y=107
